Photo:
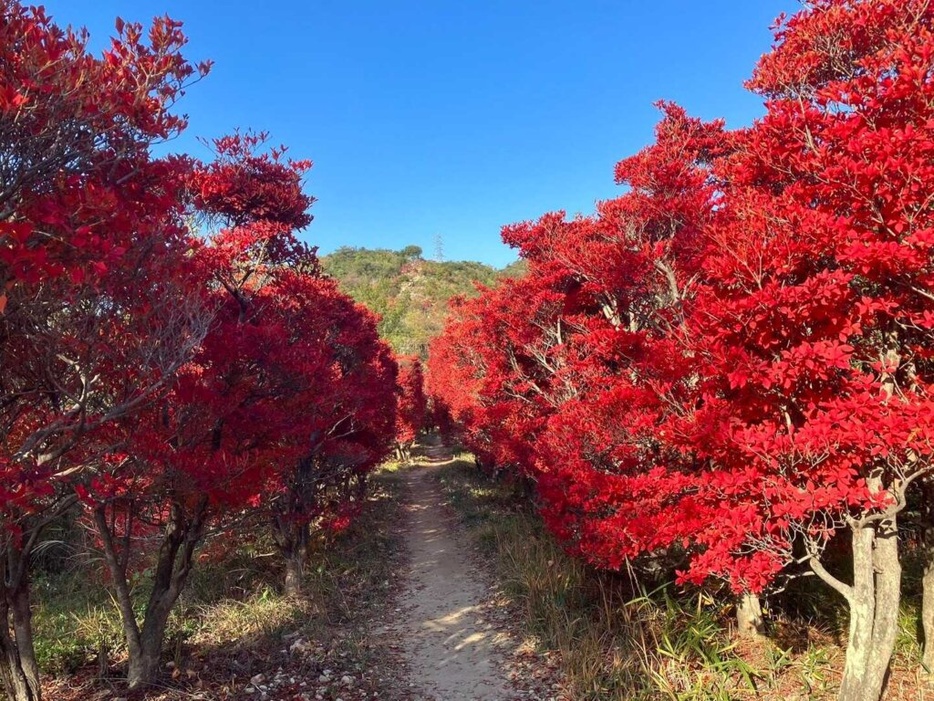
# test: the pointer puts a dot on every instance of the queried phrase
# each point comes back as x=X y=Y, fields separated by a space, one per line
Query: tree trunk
x=143 y=668
x=294 y=573
x=927 y=581
x=18 y=668
x=291 y=538
x=117 y=560
x=19 y=671
x=927 y=612
x=144 y=665
x=874 y=600
x=749 y=622
x=403 y=451
x=174 y=562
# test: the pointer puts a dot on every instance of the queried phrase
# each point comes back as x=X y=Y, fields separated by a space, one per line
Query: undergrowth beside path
x=235 y=636
x=617 y=640
x=601 y=636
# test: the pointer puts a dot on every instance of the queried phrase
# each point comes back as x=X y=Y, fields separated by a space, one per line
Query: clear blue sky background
x=451 y=118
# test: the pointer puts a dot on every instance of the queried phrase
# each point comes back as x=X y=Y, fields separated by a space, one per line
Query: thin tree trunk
x=874 y=600
x=174 y=565
x=22 y=629
x=888 y=572
x=927 y=581
x=927 y=613
x=174 y=562
x=18 y=668
x=295 y=572
x=749 y=622
x=862 y=610
x=291 y=538
x=117 y=565
x=144 y=665
x=19 y=671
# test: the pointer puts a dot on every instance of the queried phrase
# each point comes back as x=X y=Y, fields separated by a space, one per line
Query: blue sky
x=451 y=118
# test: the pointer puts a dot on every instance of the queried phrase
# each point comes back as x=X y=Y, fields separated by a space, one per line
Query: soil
x=452 y=649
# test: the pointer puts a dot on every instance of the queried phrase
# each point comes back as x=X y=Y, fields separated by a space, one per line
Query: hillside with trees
x=409 y=293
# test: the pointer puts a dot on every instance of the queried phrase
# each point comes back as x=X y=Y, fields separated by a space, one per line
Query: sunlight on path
x=451 y=650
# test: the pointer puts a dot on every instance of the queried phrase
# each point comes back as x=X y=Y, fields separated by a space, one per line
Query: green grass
x=74 y=622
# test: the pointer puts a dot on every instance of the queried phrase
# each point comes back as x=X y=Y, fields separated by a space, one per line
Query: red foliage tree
x=482 y=370
x=286 y=406
x=625 y=276
x=538 y=371
x=758 y=308
x=205 y=450
x=536 y=368
x=412 y=412
x=815 y=322
x=95 y=320
x=343 y=418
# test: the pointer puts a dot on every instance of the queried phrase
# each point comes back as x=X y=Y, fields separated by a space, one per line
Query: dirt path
x=450 y=648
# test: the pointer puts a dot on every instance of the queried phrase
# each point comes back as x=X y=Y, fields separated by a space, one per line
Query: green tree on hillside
x=409 y=293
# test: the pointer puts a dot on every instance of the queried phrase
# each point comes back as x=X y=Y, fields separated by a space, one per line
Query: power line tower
x=439 y=248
